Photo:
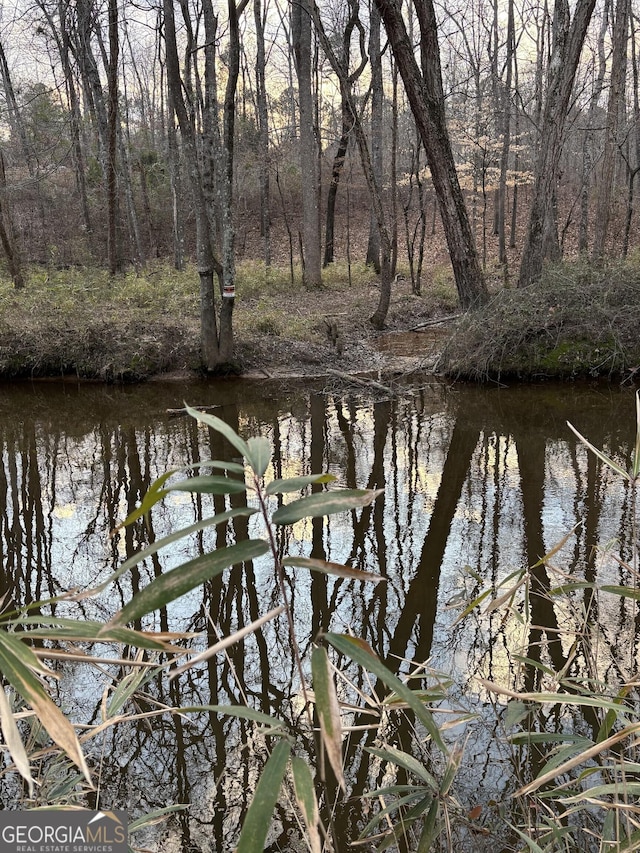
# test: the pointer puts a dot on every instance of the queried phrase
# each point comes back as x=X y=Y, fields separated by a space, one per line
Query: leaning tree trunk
x=426 y=96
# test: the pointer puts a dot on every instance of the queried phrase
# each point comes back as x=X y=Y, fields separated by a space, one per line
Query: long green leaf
x=259 y=454
x=408 y=762
x=414 y=793
x=210 y=484
x=184 y=578
x=307 y=800
x=328 y=711
x=295 y=484
x=325 y=503
x=156 y=816
x=430 y=831
x=219 y=518
x=58 y=629
x=617 y=790
x=154 y=493
x=327 y=568
x=354 y=649
x=260 y=813
x=222 y=427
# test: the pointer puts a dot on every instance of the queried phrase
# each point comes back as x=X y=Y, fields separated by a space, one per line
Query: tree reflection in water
x=480 y=478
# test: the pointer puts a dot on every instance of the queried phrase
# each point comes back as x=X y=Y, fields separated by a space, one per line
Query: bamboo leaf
x=155 y=816
x=13 y=740
x=260 y=813
x=624 y=591
x=429 y=832
x=22 y=653
x=307 y=800
x=210 y=484
x=295 y=484
x=581 y=758
x=259 y=454
x=328 y=568
x=54 y=721
x=328 y=711
x=154 y=493
x=531 y=844
x=222 y=427
x=408 y=762
x=219 y=518
x=184 y=578
x=470 y=606
x=552 y=698
x=325 y=503
x=355 y=650
x=602 y=456
x=251 y=628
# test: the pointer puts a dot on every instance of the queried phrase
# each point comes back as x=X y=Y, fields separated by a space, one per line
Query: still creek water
x=478 y=483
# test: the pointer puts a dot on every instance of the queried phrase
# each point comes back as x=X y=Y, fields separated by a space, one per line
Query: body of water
x=478 y=484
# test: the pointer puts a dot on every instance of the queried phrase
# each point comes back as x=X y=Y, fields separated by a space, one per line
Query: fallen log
x=434 y=322
x=371 y=383
x=178 y=413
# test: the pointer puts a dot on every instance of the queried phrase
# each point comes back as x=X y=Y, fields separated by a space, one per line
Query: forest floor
x=329 y=331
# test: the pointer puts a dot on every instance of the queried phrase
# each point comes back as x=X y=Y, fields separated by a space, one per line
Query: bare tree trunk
x=112 y=183
x=263 y=128
x=394 y=170
x=375 y=59
x=228 y=232
x=301 y=33
x=568 y=40
x=614 y=108
x=347 y=126
x=18 y=128
x=506 y=137
x=426 y=96
x=206 y=260
x=380 y=314
x=8 y=236
x=589 y=136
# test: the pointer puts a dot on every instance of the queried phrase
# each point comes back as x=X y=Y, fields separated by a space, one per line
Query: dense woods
x=504 y=133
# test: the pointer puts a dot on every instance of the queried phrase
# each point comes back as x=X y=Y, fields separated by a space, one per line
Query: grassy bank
x=577 y=321
x=138 y=325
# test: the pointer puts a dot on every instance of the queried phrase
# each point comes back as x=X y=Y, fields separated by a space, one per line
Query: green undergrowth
x=577 y=321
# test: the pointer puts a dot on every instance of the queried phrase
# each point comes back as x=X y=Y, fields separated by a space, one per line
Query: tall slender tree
x=301 y=34
x=112 y=144
x=568 y=38
x=615 y=109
